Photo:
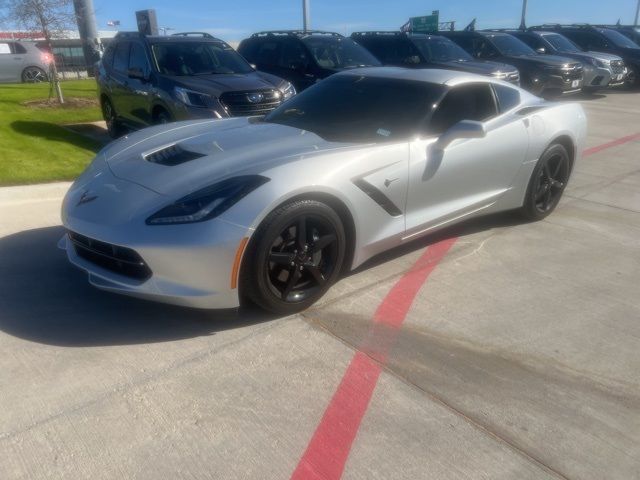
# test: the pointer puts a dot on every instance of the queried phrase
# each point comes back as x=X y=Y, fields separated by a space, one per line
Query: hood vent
x=171 y=156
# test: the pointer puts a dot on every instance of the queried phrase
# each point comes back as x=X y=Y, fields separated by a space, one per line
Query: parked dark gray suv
x=145 y=80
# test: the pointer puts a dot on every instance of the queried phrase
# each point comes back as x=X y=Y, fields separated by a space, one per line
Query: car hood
x=541 y=60
x=221 y=149
x=217 y=84
x=600 y=56
x=476 y=66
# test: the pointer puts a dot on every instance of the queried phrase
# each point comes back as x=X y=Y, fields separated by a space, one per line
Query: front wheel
x=114 y=128
x=294 y=257
x=547 y=183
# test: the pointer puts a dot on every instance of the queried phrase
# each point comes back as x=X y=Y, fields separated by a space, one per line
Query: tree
x=51 y=17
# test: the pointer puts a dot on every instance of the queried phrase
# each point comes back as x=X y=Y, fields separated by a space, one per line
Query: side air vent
x=378 y=197
x=171 y=156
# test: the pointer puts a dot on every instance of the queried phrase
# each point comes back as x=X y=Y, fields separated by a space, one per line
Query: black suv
x=419 y=50
x=145 y=80
x=600 y=69
x=599 y=39
x=304 y=57
x=546 y=75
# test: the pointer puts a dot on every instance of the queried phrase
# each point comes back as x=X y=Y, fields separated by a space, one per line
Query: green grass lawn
x=34 y=147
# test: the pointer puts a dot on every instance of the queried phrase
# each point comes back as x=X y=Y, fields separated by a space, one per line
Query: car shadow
x=45 y=299
x=55 y=133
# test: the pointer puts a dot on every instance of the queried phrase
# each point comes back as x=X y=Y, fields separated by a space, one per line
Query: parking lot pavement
x=518 y=357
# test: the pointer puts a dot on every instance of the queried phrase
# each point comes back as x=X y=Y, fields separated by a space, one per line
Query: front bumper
x=190 y=265
x=564 y=84
x=602 y=77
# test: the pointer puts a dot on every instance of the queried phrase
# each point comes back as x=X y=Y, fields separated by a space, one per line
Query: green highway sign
x=425 y=24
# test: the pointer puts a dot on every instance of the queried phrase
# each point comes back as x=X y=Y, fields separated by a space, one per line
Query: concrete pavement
x=518 y=358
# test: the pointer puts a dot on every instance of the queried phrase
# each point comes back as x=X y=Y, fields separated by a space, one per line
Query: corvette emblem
x=255 y=97
x=86 y=198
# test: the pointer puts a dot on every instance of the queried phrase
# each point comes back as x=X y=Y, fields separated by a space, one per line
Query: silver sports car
x=272 y=209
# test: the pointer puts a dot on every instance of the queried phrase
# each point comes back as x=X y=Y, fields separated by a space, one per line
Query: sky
x=233 y=20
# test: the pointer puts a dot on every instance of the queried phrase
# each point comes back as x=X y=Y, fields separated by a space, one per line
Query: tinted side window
x=19 y=49
x=107 y=58
x=121 y=57
x=531 y=40
x=466 y=42
x=467 y=102
x=268 y=53
x=583 y=39
x=483 y=49
x=507 y=97
x=294 y=55
x=138 y=58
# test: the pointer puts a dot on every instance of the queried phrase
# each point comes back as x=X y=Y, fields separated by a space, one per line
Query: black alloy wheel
x=34 y=75
x=547 y=183
x=294 y=257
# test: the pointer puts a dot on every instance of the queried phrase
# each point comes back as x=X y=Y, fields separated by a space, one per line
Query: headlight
x=209 y=202
x=499 y=75
x=192 y=98
x=288 y=91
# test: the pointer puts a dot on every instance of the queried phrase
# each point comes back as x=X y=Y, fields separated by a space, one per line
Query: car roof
x=394 y=34
x=427 y=75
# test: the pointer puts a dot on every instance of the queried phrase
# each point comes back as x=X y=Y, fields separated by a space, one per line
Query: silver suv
x=23 y=62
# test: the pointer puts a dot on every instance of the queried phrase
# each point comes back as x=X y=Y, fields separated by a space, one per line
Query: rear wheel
x=294 y=257
x=161 y=117
x=114 y=127
x=34 y=75
x=547 y=183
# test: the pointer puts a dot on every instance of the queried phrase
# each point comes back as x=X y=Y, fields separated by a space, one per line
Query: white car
x=23 y=62
x=272 y=209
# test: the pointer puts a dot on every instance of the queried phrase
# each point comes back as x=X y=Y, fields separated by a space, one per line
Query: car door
x=469 y=175
x=118 y=81
x=10 y=64
x=138 y=91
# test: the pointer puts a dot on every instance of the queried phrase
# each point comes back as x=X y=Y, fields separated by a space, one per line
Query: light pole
x=523 y=25
x=635 y=22
x=306 y=14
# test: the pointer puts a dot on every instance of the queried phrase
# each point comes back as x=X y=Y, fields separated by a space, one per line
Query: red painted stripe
x=327 y=453
x=613 y=143
x=328 y=450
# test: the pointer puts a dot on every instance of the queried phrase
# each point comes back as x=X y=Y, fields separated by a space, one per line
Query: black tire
x=293 y=257
x=34 y=75
x=632 y=81
x=162 y=117
x=547 y=183
x=114 y=127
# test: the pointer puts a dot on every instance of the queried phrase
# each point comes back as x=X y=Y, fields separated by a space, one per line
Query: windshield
x=508 y=45
x=617 y=38
x=435 y=49
x=195 y=58
x=353 y=108
x=338 y=52
x=561 y=43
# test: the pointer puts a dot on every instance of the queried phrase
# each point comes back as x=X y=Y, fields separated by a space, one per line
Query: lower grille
x=121 y=260
x=256 y=102
x=617 y=67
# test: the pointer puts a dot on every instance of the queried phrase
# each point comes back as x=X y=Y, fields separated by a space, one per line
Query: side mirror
x=462 y=129
x=541 y=50
x=137 y=74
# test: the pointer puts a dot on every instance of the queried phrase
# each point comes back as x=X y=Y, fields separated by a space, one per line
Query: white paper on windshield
x=4 y=48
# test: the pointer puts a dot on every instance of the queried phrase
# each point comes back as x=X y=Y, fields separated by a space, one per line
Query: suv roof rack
x=294 y=33
x=129 y=35
x=558 y=26
x=193 y=34
x=390 y=33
